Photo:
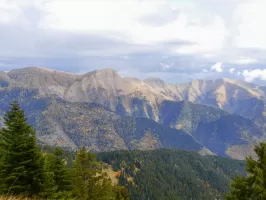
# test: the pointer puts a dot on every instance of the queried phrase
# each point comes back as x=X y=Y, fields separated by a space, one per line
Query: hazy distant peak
x=38 y=77
x=198 y=82
x=39 y=71
x=32 y=69
x=234 y=81
x=3 y=75
x=154 y=80
x=103 y=72
x=106 y=70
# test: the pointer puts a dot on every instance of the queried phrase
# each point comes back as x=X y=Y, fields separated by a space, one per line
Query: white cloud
x=251 y=75
x=208 y=55
x=245 y=61
x=97 y=15
x=204 y=70
x=165 y=66
x=232 y=70
x=251 y=31
x=218 y=67
x=8 y=11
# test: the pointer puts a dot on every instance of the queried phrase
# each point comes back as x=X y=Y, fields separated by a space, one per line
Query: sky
x=175 y=40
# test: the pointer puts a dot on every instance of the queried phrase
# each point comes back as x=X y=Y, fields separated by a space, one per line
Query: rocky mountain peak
x=107 y=72
x=38 y=77
x=38 y=71
x=3 y=75
x=156 y=81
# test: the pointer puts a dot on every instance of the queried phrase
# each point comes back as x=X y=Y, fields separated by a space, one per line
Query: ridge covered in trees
x=25 y=170
x=168 y=174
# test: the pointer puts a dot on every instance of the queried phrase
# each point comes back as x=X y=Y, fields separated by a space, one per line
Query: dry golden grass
x=112 y=174
x=17 y=198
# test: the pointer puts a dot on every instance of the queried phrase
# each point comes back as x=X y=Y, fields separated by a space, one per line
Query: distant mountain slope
x=60 y=103
x=76 y=124
x=99 y=129
x=173 y=174
x=216 y=129
x=137 y=97
x=187 y=116
x=182 y=125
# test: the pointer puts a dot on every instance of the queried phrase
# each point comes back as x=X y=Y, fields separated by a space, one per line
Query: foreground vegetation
x=26 y=171
x=17 y=198
x=253 y=186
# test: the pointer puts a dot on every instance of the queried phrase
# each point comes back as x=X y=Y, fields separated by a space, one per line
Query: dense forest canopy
x=173 y=174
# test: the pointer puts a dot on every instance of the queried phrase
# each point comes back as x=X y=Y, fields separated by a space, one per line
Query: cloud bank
x=175 y=40
x=251 y=75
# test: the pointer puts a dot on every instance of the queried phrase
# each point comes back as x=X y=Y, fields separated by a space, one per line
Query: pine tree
x=61 y=173
x=121 y=193
x=88 y=180
x=21 y=170
x=49 y=187
x=106 y=190
x=85 y=169
x=252 y=187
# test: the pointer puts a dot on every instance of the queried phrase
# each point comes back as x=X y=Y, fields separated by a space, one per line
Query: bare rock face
x=47 y=81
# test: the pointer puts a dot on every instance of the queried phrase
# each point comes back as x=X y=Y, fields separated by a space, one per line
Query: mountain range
x=105 y=111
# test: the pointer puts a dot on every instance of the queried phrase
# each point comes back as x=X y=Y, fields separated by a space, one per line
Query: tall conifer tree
x=85 y=169
x=89 y=183
x=21 y=162
x=61 y=184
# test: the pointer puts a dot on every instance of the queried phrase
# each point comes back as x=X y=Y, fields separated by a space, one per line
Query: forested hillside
x=173 y=174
